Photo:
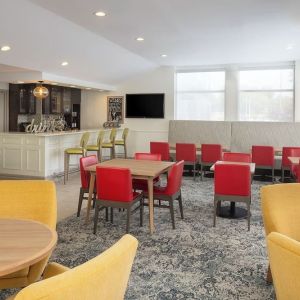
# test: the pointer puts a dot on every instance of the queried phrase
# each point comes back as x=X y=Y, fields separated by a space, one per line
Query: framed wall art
x=115 y=109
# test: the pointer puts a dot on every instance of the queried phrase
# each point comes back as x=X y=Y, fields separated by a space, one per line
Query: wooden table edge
x=35 y=258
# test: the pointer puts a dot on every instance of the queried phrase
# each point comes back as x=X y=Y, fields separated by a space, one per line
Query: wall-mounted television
x=145 y=106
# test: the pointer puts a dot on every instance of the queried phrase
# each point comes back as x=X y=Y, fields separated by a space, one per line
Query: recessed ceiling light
x=100 y=14
x=164 y=55
x=64 y=63
x=5 y=48
x=20 y=81
x=289 y=47
x=140 y=39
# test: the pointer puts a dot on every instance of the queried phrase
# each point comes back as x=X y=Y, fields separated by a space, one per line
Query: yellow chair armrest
x=53 y=269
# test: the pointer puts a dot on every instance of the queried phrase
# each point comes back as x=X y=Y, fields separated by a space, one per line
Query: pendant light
x=40 y=91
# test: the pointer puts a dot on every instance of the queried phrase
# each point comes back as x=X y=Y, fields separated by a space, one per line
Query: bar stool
x=98 y=146
x=111 y=144
x=122 y=142
x=81 y=150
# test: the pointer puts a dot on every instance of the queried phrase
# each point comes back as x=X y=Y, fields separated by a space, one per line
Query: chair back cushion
x=210 y=153
x=186 y=152
x=232 y=179
x=114 y=184
x=100 y=138
x=113 y=134
x=161 y=148
x=147 y=156
x=263 y=155
x=237 y=157
x=284 y=256
x=286 y=152
x=84 y=140
x=174 y=179
x=85 y=175
x=281 y=209
x=103 y=277
x=125 y=134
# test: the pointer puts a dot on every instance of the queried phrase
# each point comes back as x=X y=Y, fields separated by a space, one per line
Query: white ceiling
x=44 y=33
x=193 y=32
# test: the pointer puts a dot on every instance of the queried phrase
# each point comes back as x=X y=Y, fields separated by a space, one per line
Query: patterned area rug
x=194 y=261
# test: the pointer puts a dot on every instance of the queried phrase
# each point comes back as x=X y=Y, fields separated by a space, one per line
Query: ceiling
x=103 y=50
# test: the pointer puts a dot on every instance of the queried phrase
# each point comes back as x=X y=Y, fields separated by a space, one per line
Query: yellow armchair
x=33 y=200
x=281 y=210
x=104 y=277
x=284 y=255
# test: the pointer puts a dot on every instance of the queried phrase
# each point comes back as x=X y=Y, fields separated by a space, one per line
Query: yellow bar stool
x=122 y=142
x=81 y=150
x=98 y=146
x=111 y=144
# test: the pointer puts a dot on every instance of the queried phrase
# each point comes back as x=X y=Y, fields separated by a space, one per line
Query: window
x=266 y=95
x=200 y=95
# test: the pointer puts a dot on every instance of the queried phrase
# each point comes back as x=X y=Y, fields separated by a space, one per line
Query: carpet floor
x=194 y=261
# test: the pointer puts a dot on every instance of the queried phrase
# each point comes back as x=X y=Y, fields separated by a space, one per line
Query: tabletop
x=294 y=160
x=147 y=168
x=23 y=243
x=252 y=165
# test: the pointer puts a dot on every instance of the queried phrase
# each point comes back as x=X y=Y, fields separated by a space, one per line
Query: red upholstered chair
x=285 y=163
x=296 y=172
x=232 y=183
x=161 y=148
x=210 y=153
x=114 y=189
x=85 y=178
x=237 y=157
x=170 y=192
x=188 y=153
x=141 y=184
x=263 y=157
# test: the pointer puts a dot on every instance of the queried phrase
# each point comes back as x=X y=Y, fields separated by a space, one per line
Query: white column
x=231 y=94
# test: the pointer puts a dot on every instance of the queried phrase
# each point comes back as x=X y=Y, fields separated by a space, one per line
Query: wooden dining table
x=24 y=243
x=140 y=169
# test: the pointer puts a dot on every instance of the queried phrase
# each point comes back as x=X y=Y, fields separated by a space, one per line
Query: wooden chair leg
x=180 y=205
x=96 y=218
x=68 y=166
x=94 y=200
x=65 y=166
x=172 y=213
x=269 y=277
x=128 y=220
x=125 y=150
x=141 y=212
x=80 y=202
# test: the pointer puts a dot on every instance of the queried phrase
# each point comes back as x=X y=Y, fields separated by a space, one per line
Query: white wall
x=4 y=86
x=142 y=131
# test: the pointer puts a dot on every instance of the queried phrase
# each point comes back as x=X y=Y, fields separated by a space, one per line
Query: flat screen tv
x=150 y=106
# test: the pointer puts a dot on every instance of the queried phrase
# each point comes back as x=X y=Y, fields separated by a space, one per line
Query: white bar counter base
x=38 y=155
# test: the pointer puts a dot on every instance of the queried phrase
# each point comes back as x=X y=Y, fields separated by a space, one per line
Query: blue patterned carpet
x=194 y=261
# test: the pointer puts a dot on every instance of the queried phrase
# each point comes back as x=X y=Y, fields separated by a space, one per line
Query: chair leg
x=68 y=166
x=215 y=212
x=125 y=150
x=269 y=277
x=172 y=213
x=96 y=218
x=248 y=215
x=99 y=154
x=94 y=200
x=273 y=178
x=106 y=214
x=112 y=215
x=80 y=202
x=128 y=220
x=194 y=171
x=282 y=175
x=201 y=172
x=180 y=205
x=65 y=166
x=141 y=212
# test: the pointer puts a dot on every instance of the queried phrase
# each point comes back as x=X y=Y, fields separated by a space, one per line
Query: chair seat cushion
x=92 y=148
x=107 y=145
x=74 y=150
x=120 y=142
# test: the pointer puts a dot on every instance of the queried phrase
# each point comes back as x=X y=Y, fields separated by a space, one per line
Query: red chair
x=141 y=184
x=171 y=192
x=296 y=172
x=161 y=148
x=232 y=183
x=85 y=178
x=114 y=190
x=286 y=165
x=237 y=157
x=210 y=153
x=264 y=158
x=188 y=153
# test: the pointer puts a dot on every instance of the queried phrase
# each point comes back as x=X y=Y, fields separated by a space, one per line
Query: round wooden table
x=23 y=243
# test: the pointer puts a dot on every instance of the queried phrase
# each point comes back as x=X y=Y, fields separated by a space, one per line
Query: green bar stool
x=111 y=144
x=81 y=150
x=98 y=146
x=122 y=142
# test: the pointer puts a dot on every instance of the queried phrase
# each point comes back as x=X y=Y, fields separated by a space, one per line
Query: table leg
x=91 y=191
x=151 y=206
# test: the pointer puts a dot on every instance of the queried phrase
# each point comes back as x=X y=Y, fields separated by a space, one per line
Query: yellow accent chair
x=111 y=144
x=31 y=200
x=284 y=255
x=281 y=210
x=81 y=150
x=123 y=141
x=98 y=146
x=103 y=278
